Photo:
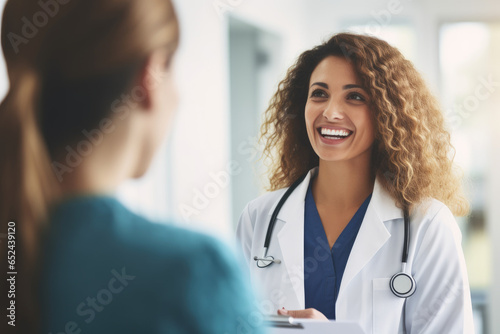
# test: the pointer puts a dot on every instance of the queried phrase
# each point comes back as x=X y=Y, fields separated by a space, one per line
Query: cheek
x=307 y=112
x=365 y=125
x=169 y=90
x=166 y=103
x=169 y=97
x=363 y=122
x=310 y=116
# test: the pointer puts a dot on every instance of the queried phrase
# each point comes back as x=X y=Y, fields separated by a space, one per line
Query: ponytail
x=28 y=187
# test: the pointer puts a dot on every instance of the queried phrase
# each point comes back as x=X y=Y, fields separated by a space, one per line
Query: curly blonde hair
x=412 y=153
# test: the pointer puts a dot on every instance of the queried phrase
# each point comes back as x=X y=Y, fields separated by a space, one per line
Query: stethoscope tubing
x=265 y=260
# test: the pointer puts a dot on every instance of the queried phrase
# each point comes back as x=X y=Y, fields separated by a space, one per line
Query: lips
x=334 y=133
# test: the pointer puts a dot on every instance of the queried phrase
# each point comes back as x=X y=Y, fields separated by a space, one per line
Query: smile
x=334 y=134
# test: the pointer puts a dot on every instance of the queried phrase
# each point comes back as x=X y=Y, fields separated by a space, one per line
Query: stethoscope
x=402 y=284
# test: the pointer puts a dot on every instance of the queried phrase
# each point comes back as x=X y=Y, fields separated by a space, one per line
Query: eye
x=356 y=96
x=319 y=93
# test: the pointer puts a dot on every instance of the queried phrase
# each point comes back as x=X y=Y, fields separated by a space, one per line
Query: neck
x=91 y=177
x=343 y=184
x=100 y=172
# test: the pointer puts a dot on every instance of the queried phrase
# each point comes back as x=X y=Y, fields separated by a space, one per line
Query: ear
x=151 y=75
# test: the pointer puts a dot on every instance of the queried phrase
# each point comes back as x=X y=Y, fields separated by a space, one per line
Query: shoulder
x=435 y=227
x=170 y=242
x=434 y=214
x=255 y=210
x=100 y=234
x=106 y=224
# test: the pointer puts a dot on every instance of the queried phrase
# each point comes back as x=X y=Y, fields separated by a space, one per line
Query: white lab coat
x=441 y=303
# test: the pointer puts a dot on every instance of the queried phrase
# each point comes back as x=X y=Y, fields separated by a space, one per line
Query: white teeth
x=337 y=133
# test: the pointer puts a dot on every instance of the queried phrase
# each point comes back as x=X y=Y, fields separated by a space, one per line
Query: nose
x=333 y=111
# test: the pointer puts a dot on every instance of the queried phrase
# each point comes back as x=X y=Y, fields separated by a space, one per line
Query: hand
x=310 y=313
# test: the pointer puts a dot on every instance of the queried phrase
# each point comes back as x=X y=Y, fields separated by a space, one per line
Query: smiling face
x=338 y=118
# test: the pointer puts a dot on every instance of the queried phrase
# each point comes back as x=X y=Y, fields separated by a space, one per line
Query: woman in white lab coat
x=355 y=117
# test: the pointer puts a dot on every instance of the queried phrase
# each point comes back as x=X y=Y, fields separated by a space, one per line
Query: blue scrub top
x=324 y=267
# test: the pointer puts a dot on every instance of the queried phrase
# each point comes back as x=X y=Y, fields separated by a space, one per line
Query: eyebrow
x=349 y=86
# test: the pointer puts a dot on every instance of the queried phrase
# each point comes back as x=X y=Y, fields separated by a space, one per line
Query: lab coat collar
x=296 y=198
x=382 y=201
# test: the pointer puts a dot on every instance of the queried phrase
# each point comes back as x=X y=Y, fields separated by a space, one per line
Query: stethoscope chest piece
x=402 y=285
x=265 y=261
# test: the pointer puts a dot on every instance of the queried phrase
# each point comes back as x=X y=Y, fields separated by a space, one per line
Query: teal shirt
x=108 y=270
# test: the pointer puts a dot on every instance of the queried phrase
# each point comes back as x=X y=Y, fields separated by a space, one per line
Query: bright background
x=234 y=52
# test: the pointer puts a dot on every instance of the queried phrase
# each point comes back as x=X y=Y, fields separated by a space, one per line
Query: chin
x=332 y=156
x=332 y=159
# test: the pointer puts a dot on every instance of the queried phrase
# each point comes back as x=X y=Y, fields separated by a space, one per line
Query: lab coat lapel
x=372 y=234
x=291 y=237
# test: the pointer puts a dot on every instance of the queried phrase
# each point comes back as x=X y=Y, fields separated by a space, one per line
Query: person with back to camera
x=97 y=81
x=359 y=225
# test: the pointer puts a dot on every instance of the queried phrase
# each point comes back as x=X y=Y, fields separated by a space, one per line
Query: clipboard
x=279 y=324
